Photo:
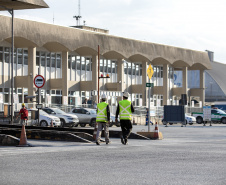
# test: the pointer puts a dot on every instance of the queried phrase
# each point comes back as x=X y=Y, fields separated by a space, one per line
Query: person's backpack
x=25 y=113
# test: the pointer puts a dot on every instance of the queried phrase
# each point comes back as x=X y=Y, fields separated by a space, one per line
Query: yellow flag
x=150 y=71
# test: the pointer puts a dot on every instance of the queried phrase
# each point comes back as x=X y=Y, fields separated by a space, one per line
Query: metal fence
x=139 y=116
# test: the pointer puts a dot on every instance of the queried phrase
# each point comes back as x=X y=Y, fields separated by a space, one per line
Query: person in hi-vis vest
x=124 y=110
x=103 y=119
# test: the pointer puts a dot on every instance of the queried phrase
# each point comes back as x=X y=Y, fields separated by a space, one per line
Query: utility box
x=174 y=114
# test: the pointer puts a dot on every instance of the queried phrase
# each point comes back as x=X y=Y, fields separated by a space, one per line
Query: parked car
x=188 y=119
x=44 y=119
x=85 y=116
x=65 y=119
x=88 y=116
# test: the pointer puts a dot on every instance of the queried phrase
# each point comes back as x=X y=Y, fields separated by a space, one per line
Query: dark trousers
x=126 y=127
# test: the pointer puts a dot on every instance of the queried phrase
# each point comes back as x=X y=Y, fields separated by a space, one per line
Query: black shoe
x=122 y=141
x=97 y=143
x=108 y=142
x=126 y=142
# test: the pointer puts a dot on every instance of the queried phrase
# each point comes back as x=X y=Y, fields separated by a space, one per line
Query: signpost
x=39 y=82
x=149 y=85
x=207 y=114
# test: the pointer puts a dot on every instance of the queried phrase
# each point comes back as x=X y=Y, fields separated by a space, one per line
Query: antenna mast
x=78 y=16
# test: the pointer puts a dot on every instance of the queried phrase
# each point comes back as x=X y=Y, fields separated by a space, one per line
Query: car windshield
x=93 y=111
x=220 y=111
x=58 y=111
x=41 y=112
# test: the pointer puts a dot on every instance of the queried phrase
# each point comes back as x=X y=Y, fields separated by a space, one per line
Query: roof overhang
x=22 y=4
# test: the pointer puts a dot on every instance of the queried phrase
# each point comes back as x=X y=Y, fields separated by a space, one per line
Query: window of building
x=1 y=57
x=78 y=63
x=101 y=66
x=58 y=61
x=37 y=58
x=58 y=92
x=53 y=60
x=7 y=58
x=113 y=67
x=25 y=57
x=69 y=61
x=105 y=66
x=83 y=63
x=88 y=64
x=20 y=56
x=109 y=66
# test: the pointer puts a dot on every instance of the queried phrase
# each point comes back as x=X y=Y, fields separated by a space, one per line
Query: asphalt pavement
x=186 y=155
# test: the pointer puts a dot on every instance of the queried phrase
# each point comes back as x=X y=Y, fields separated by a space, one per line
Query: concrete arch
x=113 y=55
x=180 y=63
x=138 y=58
x=20 y=42
x=198 y=66
x=55 y=47
x=159 y=61
x=86 y=51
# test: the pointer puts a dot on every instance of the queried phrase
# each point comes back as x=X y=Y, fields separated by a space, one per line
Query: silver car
x=88 y=116
x=85 y=116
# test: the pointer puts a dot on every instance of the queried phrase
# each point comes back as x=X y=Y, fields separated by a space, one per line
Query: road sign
x=206 y=113
x=150 y=71
x=149 y=84
x=39 y=81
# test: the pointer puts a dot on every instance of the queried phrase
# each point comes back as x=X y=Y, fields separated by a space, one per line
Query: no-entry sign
x=39 y=81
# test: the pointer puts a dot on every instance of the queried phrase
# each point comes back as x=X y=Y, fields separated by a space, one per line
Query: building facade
x=68 y=60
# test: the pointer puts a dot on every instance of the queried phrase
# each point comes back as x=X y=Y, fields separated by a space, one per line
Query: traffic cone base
x=23 y=138
x=156 y=131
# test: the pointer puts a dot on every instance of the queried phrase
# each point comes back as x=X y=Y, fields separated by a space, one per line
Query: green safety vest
x=102 y=112
x=125 y=112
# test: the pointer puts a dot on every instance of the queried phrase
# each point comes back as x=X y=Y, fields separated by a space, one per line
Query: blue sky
x=193 y=24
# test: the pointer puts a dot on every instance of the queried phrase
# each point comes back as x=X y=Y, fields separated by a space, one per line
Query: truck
x=217 y=116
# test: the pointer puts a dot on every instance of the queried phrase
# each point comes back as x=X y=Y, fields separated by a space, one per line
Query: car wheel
x=199 y=120
x=171 y=123
x=93 y=122
x=43 y=123
x=223 y=120
x=62 y=122
x=82 y=124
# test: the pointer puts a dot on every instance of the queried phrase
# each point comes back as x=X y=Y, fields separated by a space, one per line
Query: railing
x=139 y=116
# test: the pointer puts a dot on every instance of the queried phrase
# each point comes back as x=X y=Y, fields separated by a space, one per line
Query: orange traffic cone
x=95 y=131
x=23 y=137
x=156 y=131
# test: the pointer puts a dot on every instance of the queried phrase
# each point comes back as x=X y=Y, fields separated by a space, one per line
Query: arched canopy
x=55 y=47
x=86 y=51
x=113 y=55
x=20 y=42
x=159 y=61
x=197 y=66
x=138 y=58
x=180 y=63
